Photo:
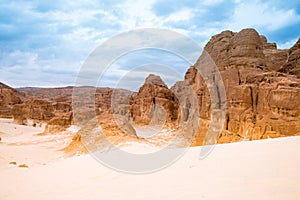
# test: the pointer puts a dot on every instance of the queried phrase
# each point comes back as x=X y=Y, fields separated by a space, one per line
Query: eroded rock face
x=36 y=110
x=51 y=106
x=45 y=105
x=245 y=49
x=8 y=98
x=39 y=110
x=103 y=100
x=292 y=66
x=261 y=102
x=154 y=101
x=59 y=123
x=189 y=109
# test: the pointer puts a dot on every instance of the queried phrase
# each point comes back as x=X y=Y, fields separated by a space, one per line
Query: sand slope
x=265 y=169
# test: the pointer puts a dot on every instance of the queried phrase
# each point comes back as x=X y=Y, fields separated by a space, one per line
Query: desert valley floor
x=263 y=169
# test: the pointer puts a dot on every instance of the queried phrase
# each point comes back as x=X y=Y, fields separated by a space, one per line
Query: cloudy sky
x=45 y=43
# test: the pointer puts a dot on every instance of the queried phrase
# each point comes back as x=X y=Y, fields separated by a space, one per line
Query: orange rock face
x=8 y=98
x=262 y=101
x=292 y=66
x=154 y=102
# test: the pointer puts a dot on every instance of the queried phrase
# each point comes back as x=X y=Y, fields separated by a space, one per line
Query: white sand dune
x=265 y=169
x=21 y=144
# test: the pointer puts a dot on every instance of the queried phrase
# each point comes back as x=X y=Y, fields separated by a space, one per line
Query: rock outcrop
x=45 y=105
x=245 y=49
x=261 y=100
x=292 y=66
x=154 y=103
x=59 y=123
x=38 y=110
x=103 y=100
x=8 y=98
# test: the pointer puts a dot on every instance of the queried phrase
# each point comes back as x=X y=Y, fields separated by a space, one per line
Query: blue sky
x=44 y=43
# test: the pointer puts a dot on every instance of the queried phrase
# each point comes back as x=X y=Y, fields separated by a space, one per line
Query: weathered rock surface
x=245 y=49
x=8 y=98
x=38 y=110
x=53 y=105
x=154 y=103
x=188 y=111
x=59 y=123
x=103 y=100
x=261 y=101
x=47 y=105
x=292 y=66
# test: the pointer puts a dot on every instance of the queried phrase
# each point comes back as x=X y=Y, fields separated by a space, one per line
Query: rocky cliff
x=154 y=103
x=292 y=66
x=8 y=98
x=262 y=87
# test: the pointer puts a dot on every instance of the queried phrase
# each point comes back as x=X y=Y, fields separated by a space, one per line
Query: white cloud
x=211 y=2
x=27 y=68
x=261 y=15
x=18 y=59
x=137 y=13
x=181 y=15
x=288 y=44
x=62 y=35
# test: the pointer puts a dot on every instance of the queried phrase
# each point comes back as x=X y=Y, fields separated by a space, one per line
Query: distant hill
x=49 y=94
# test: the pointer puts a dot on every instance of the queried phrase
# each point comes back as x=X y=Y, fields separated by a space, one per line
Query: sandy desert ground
x=265 y=169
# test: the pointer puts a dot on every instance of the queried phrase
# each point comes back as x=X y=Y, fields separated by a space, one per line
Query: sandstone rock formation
x=53 y=106
x=261 y=100
x=8 y=98
x=103 y=100
x=245 y=49
x=154 y=103
x=188 y=117
x=292 y=66
x=59 y=123
x=45 y=105
x=38 y=110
